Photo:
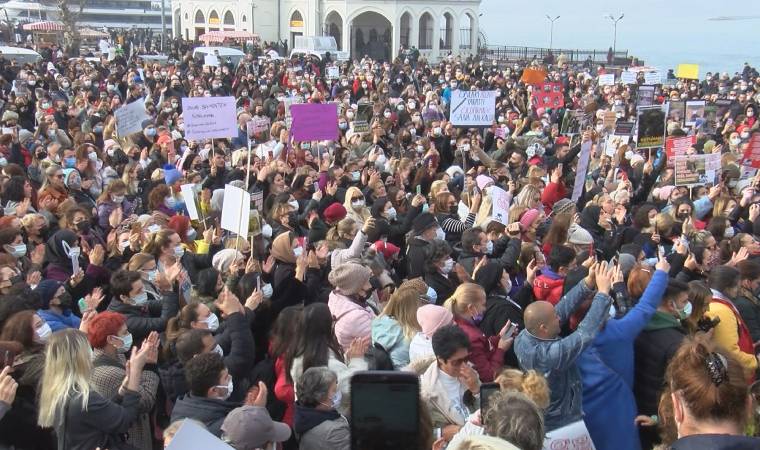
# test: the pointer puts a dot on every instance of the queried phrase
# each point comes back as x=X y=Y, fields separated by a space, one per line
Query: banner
x=678 y=146
x=697 y=169
x=609 y=120
x=472 y=108
x=627 y=77
x=129 y=118
x=608 y=79
x=695 y=113
x=688 y=71
x=500 y=200
x=752 y=153
x=645 y=96
x=582 y=168
x=533 y=76
x=651 y=127
x=624 y=128
x=209 y=117
x=547 y=95
x=315 y=121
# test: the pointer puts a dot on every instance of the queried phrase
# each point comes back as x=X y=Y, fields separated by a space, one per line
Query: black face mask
x=64 y=300
x=83 y=226
x=453 y=209
x=682 y=216
x=293 y=219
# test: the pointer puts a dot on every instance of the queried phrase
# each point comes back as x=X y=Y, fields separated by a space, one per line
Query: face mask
x=613 y=311
x=267 y=290
x=298 y=251
x=140 y=299
x=170 y=202
x=489 y=248
x=439 y=233
x=117 y=198
x=212 y=321
x=126 y=343
x=150 y=132
x=437 y=131
x=357 y=204
x=750 y=113
x=432 y=295
x=336 y=398
x=70 y=162
x=477 y=318
x=729 y=233
x=178 y=251
x=228 y=388
x=294 y=204
x=18 y=250
x=448 y=266
x=43 y=333
x=218 y=350
x=390 y=213
x=343 y=125
x=684 y=312
x=736 y=141
x=386 y=114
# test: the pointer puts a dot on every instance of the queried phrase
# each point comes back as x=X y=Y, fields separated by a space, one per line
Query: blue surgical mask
x=179 y=251
x=141 y=298
x=489 y=248
x=432 y=295
x=69 y=162
x=126 y=343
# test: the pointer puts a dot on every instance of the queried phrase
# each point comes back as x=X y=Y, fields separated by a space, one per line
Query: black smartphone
x=486 y=391
x=385 y=409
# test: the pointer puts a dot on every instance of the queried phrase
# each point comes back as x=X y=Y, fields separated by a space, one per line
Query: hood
x=282 y=250
x=201 y=408
x=386 y=331
x=662 y=320
x=308 y=418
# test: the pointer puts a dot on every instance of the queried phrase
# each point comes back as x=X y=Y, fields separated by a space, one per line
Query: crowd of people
x=629 y=315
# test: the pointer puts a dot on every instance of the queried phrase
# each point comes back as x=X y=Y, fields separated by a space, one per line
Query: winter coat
x=749 y=307
x=387 y=332
x=485 y=354
x=141 y=320
x=350 y=319
x=321 y=430
x=342 y=370
x=100 y=424
x=731 y=333
x=416 y=253
x=209 y=411
x=499 y=310
x=441 y=407
x=57 y=321
x=548 y=286
x=442 y=286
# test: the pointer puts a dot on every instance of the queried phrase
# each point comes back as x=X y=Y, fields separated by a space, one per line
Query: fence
x=510 y=53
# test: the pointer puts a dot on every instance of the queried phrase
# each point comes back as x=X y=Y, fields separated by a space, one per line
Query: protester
x=317 y=422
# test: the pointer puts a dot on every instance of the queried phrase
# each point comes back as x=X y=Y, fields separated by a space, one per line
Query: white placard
x=652 y=78
x=236 y=210
x=580 y=174
x=211 y=60
x=192 y=436
x=500 y=205
x=627 y=77
x=209 y=117
x=189 y=196
x=333 y=73
x=129 y=118
x=608 y=79
x=472 y=108
x=571 y=437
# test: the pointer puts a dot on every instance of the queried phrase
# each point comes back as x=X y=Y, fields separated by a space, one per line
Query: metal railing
x=525 y=54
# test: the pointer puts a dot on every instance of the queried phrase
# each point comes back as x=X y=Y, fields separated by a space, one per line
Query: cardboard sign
x=189 y=196
x=333 y=73
x=190 y=435
x=362 y=117
x=547 y=95
x=651 y=127
x=533 y=76
x=752 y=153
x=652 y=78
x=315 y=121
x=236 y=210
x=690 y=170
x=614 y=142
x=609 y=120
x=695 y=113
x=257 y=125
x=676 y=111
x=580 y=174
x=129 y=118
x=472 y=108
x=209 y=117
x=608 y=79
x=570 y=437
x=688 y=71
x=500 y=205
x=645 y=96
x=627 y=77
x=572 y=122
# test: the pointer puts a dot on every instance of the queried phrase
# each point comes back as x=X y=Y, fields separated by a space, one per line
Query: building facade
x=111 y=14
x=375 y=27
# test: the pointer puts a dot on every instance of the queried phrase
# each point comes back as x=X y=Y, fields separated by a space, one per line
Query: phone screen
x=486 y=391
x=384 y=411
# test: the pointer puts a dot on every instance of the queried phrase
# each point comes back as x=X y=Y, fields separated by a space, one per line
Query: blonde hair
x=111 y=188
x=436 y=187
x=28 y=220
x=484 y=442
x=341 y=229
x=465 y=295
x=68 y=363
x=158 y=241
x=530 y=383
x=363 y=213
x=402 y=306
x=526 y=195
x=138 y=260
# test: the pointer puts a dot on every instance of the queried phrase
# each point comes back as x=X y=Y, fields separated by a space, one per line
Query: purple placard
x=314 y=121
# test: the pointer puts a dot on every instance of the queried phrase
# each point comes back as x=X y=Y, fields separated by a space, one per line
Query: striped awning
x=240 y=35
x=89 y=32
x=44 y=26
x=212 y=36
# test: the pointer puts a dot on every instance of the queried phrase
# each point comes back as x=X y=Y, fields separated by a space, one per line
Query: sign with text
x=614 y=142
x=472 y=108
x=500 y=205
x=362 y=118
x=645 y=96
x=608 y=79
x=129 y=118
x=580 y=174
x=652 y=78
x=627 y=77
x=696 y=169
x=258 y=124
x=624 y=128
x=315 y=121
x=333 y=73
x=209 y=117
x=570 y=437
x=678 y=146
x=533 y=76
x=651 y=129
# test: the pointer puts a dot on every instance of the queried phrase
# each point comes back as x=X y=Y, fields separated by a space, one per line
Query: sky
x=663 y=33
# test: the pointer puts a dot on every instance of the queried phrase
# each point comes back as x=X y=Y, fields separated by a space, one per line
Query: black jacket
x=507 y=258
x=749 y=308
x=442 y=286
x=142 y=320
x=237 y=342
x=173 y=380
x=716 y=442
x=416 y=253
x=500 y=309
x=100 y=425
x=209 y=411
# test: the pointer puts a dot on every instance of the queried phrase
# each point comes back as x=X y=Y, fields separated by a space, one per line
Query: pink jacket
x=351 y=320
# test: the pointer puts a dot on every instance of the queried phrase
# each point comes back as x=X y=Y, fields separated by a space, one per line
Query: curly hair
x=530 y=383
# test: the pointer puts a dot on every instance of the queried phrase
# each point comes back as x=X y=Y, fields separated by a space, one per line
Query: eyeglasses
x=58 y=175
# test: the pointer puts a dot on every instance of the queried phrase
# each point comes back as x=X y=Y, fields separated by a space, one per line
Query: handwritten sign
x=533 y=76
x=628 y=77
x=500 y=205
x=129 y=118
x=570 y=437
x=315 y=121
x=257 y=125
x=580 y=174
x=209 y=117
x=607 y=79
x=472 y=108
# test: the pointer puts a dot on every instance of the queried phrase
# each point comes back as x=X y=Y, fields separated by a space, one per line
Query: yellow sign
x=296 y=23
x=688 y=71
x=214 y=20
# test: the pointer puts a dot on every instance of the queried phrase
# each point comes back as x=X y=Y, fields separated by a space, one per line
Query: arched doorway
x=334 y=27
x=447 y=31
x=213 y=21
x=296 y=27
x=466 y=29
x=229 y=21
x=372 y=35
x=200 y=23
x=426 y=32
x=405 y=29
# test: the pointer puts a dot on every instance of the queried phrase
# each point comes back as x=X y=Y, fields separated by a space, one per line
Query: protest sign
x=752 y=153
x=547 y=95
x=315 y=121
x=613 y=143
x=678 y=146
x=582 y=168
x=645 y=96
x=191 y=435
x=533 y=76
x=572 y=122
x=570 y=437
x=333 y=73
x=609 y=120
x=211 y=60
x=690 y=170
x=624 y=128
x=258 y=124
x=627 y=77
x=209 y=117
x=129 y=118
x=500 y=205
x=695 y=113
x=651 y=127
x=362 y=117
x=258 y=200
x=652 y=78
x=676 y=111
x=714 y=112
x=188 y=196
x=688 y=71
x=236 y=210
x=607 y=79
x=472 y=108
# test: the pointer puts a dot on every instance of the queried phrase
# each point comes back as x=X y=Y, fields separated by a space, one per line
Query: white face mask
x=298 y=251
x=448 y=266
x=357 y=204
x=293 y=204
x=140 y=299
x=439 y=234
x=43 y=333
x=391 y=213
x=179 y=251
x=228 y=389
x=432 y=295
x=212 y=322
x=267 y=290
x=126 y=343
x=489 y=247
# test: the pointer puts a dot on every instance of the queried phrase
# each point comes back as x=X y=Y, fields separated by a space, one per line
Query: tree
x=70 y=18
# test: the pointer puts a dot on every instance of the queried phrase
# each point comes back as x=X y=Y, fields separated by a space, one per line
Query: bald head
x=541 y=320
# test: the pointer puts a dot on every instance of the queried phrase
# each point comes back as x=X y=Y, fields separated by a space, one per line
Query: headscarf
x=56 y=252
x=223 y=259
x=590 y=219
x=282 y=249
x=46 y=291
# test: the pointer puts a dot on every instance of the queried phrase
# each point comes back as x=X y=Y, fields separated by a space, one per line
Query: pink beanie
x=433 y=317
x=528 y=218
x=482 y=181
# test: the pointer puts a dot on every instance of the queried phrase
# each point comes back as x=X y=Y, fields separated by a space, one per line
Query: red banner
x=547 y=95
x=677 y=146
x=752 y=153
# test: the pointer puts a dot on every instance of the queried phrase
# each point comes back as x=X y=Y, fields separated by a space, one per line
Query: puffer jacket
x=351 y=320
x=548 y=286
x=387 y=332
x=321 y=430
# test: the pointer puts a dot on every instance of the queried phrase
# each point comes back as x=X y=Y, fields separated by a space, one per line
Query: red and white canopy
x=240 y=35
x=212 y=36
x=44 y=26
x=89 y=32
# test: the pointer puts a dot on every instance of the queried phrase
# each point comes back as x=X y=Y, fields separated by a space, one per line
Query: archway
x=229 y=21
x=405 y=29
x=296 y=27
x=334 y=27
x=371 y=34
x=447 y=31
x=200 y=23
x=213 y=21
x=426 y=32
x=466 y=30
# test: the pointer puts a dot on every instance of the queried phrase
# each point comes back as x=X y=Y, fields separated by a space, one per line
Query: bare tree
x=70 y=18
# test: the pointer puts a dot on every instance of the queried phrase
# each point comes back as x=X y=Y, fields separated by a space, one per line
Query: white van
x=20 y=55
x=232 y=54
x=318 y=46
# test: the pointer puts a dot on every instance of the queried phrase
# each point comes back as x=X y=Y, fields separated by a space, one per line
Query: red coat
x=284 y=391
x=485 y=355
x=548 y=289
x=553 y=192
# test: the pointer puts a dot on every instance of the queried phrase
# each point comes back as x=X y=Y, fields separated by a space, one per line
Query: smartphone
x=385 y=409
x=82 y=305
x=316 y=186
x=660 y=251
x=511 y=330
x=419 y=190
x=486 y=391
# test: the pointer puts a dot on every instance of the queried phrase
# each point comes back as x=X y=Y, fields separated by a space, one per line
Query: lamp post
x=551 y=30
x=614 y=36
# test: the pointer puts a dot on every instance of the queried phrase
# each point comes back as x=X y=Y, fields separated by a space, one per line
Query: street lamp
x=551 y=32
x=614 y=38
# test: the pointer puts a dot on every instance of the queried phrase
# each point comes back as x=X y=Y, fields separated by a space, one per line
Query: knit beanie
x=433 y=317
x=562 y=205
x=423 y=222
x=171 y=174
x=335 y=213
x=528 y=217
x=223 y=259
x=349 y=278
x=46 y=291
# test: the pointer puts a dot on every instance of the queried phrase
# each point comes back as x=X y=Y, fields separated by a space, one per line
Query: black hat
x=423 y=222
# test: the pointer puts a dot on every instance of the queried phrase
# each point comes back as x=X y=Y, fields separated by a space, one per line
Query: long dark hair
x=283 y=337
x=316 y=337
